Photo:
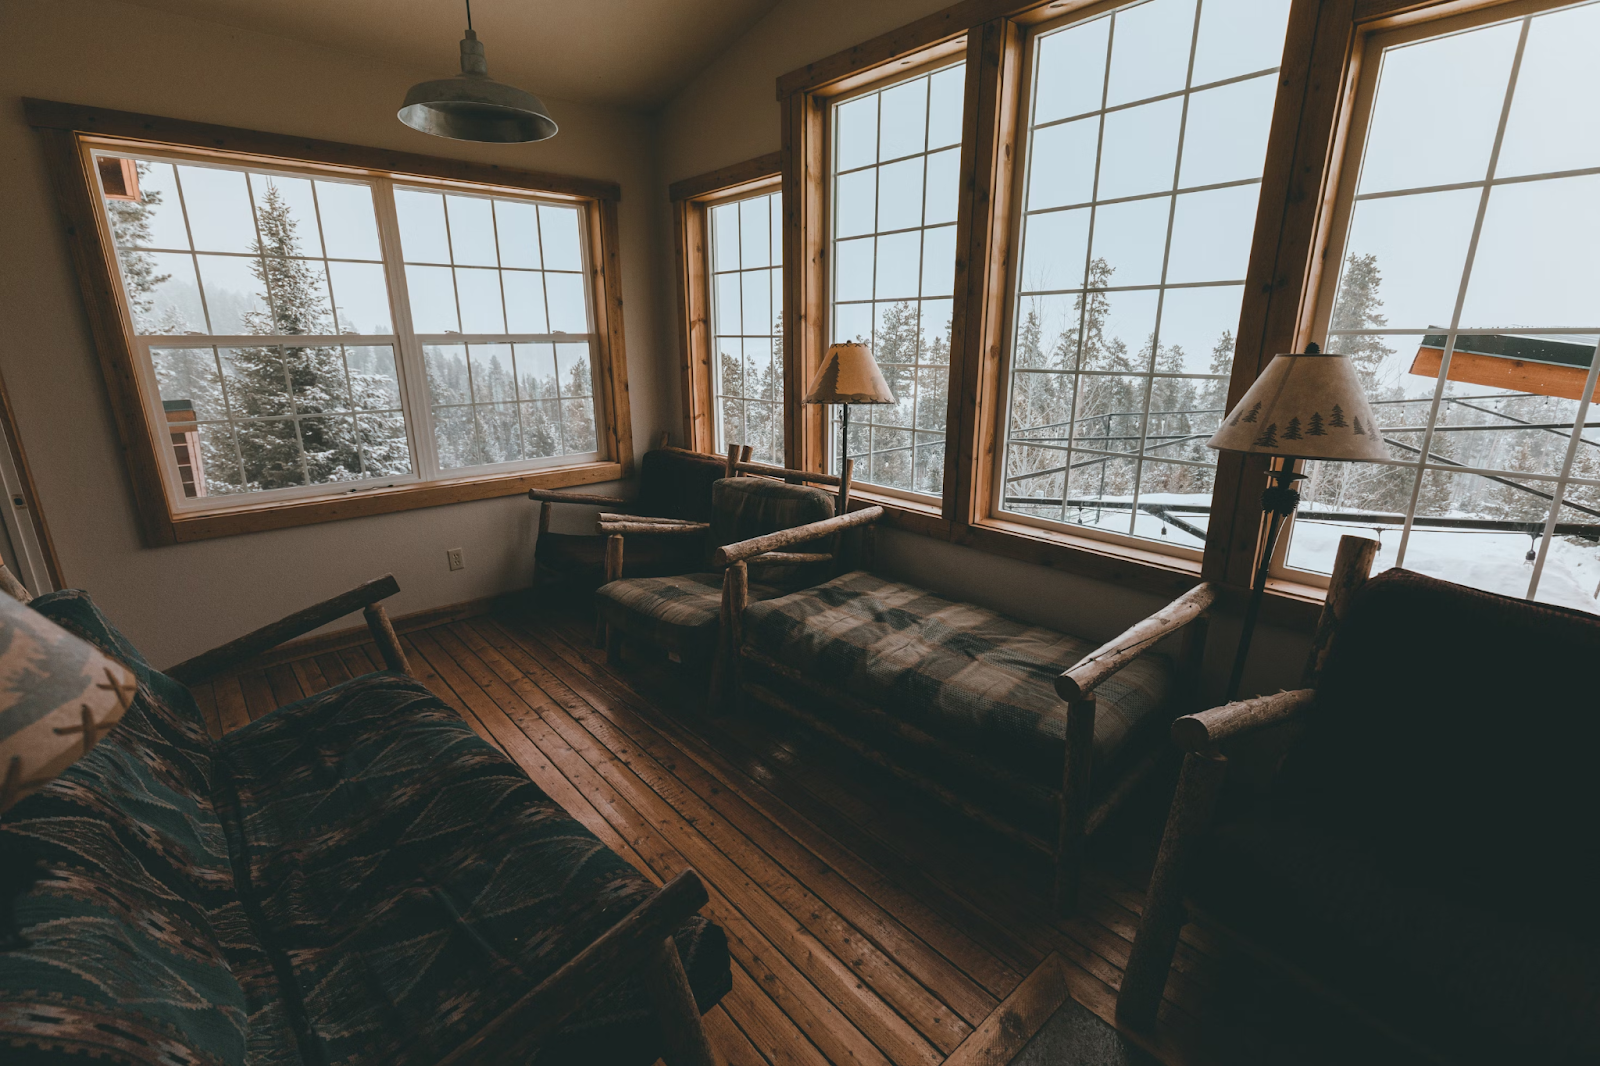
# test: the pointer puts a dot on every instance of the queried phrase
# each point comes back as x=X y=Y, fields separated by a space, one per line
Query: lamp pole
x=844 y=437
x=1278 y=501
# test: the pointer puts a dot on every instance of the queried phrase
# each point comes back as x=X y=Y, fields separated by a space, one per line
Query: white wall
x=730 y=113
x=179 y=600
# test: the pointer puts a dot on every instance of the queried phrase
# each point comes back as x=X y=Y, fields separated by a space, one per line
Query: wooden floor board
x=863 y=926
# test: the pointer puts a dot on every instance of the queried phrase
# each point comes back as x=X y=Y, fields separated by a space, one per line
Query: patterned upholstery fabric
x=354 y=878
x=957 y=671
x=682 y=614
x=421 y=883
x=676 y=484
x=139 y=947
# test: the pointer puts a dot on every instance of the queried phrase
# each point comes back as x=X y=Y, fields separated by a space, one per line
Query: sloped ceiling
x=623 y=53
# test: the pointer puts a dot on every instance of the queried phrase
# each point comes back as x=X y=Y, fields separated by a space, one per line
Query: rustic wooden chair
x=674 y=491
x=760 y=515
x=1424 y=847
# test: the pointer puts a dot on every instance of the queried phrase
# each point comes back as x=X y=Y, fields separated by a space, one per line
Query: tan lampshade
x=849 y=375
x=1310 y=406
x=58 y=697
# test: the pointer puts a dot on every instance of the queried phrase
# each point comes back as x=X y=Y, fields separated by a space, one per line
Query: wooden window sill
x=404 y=498
x=913 y=516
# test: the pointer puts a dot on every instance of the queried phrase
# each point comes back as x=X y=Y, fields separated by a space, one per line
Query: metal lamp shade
x=475 y=107
x=58 y=697
x=1310 y=406
x=849 y=375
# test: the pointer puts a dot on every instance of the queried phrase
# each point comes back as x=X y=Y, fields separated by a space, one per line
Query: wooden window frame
x=69 y=132
x=692 y=201
x=1305 y=143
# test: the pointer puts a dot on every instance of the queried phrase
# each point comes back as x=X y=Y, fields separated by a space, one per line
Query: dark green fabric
x=745 y=507
x=421 y=883
x=354 y=878
x=140 y=949
x=677 y=484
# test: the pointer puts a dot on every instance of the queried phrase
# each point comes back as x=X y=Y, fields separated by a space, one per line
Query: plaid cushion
x=420 y=883
x=957 y=671
x=745 y=507
x=680 y=614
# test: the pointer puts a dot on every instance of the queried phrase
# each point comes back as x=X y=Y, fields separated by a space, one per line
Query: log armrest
x=587 y=498
x=364 y=598
x=629 y=523
x=1079 y=681
x=742 y=550
x=636 y=943
x=1201 y=733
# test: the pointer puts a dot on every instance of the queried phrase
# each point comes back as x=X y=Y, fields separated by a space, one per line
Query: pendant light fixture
x=475 y=107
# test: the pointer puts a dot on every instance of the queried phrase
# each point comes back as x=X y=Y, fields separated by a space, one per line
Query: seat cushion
x=1490 y=987
x=420 y=883
x=1455 y=732
x=681 y=614
x=959 y=672
x=139 y=948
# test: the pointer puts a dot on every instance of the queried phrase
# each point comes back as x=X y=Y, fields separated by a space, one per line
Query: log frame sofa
x=1076 y=813
x=224 y=868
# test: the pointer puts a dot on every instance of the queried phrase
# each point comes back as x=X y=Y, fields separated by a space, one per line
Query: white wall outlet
x=454 y=556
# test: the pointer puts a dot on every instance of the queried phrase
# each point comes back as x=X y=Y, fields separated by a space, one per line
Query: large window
x=1147 y=130
x=304 y=333
x=1464 y=284
x=746 y=291
x=894 y=168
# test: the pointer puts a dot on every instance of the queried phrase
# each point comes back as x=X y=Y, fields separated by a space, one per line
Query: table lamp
x=1307 y=406
x=58 y=697
x=848 y=375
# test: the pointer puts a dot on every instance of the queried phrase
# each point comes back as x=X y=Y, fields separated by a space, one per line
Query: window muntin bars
x=893 y=172
x=1465 y=292
x=746 y=254
x=1146 y=136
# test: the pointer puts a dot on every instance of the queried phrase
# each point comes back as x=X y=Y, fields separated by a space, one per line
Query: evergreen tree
x=1268 y=437
x=1357 y=308
x=303 y=395
x=1336 y=418
x=1248 y=416
x=1292 y=430
x=130 y=230
x=1314 y=427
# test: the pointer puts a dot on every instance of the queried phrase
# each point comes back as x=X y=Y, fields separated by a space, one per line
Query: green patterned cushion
x=957 y=671
x=139 y=948
x=680 y=614
x=420 y=883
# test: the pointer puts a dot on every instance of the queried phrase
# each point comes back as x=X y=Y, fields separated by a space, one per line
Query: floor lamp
x=848 y=375
x=1307 y=406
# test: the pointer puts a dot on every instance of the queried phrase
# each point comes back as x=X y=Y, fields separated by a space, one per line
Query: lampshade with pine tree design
x=1310 y=406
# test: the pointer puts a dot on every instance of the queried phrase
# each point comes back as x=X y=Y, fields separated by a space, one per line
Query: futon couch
x=354 y=878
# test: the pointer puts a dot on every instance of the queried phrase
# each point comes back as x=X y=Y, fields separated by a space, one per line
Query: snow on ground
x=1495 y=562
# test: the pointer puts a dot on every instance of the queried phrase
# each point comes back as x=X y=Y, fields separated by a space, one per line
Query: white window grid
x=1090 y=510
x=755 y=351
x=1422 y=460
x=404 y=344
x=876 y=441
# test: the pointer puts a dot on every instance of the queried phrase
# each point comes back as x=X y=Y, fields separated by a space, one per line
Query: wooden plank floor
x=865 y=927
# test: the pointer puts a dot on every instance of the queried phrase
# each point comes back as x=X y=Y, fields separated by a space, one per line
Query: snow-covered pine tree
x=130 y=230
x=1357 y=308
x=320 y=443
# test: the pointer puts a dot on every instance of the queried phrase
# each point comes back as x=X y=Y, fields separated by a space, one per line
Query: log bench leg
x=725 y=669
x=613 y=573
x=1162 y=920
x=683 y=1038
x=394 y=656
x=1072 y=828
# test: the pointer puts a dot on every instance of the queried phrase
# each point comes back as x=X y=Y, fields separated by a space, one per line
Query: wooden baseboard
x=320 y=643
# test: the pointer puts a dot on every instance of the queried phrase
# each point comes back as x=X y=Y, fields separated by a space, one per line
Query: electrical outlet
x=454 y=556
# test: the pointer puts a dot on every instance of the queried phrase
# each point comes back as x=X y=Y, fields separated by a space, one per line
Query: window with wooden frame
x=1461 y=280
x=297 y=332
x=730 y=276
x=1143 y=146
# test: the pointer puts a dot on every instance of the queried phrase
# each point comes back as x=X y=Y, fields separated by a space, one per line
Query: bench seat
x=963 y=674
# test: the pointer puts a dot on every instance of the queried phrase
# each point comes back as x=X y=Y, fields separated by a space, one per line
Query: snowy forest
x=283 y=416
